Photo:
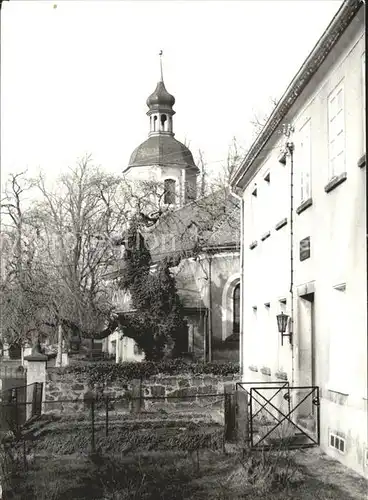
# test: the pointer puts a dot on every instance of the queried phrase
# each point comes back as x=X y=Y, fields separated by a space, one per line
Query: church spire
x=161 y=72
x=160 y=105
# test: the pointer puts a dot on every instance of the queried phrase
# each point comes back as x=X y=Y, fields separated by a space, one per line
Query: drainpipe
x=210 y=308
x=241 y=339
x=205 y=336
x=290 y=148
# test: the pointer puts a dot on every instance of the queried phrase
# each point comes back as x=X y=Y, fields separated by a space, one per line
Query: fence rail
x=10 y=370
x=139 y=423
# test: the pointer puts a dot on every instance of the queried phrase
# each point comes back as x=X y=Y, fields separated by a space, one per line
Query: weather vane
x=160 y=54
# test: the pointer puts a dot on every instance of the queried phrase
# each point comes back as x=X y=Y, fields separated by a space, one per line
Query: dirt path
x=330 y=471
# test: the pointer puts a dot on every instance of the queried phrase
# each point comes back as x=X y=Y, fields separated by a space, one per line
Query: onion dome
x=160 y=99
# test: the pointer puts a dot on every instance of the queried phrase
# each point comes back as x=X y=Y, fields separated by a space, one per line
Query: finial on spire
x=160 y=54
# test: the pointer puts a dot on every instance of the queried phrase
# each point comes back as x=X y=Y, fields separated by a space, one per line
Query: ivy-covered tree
x=156 y=321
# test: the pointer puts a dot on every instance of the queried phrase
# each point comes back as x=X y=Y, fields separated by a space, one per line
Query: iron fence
x=20 y=404
x=139 y=423
x=9 y=370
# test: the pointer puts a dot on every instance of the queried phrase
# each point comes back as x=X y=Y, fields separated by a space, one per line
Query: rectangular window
x=169 y=191
x=266 y=203
x=254 y=211
x=236 y=309
x=304 y=249
x=340 y=360
x=304 y=162
x=336 y=132
x=254 y=347
x=280 y=191
x=363 y=101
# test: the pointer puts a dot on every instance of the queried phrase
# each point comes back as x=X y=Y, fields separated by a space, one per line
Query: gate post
x=26 y=351
x=136 y=403
x=242 y=416
x=230 y=411
x=36 y=372
x=6 y=350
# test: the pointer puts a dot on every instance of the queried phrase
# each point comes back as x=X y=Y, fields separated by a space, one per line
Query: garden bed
x=127 y=434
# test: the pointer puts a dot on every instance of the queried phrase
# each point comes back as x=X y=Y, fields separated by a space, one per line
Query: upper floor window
x=304 y=163
x=363 y=98
x=169 y=191
x=265 y=208
x=236 y=309
x=336 y=131
x=254 y=212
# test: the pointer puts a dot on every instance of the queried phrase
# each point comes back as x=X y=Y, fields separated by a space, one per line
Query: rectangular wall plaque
x=304 y=250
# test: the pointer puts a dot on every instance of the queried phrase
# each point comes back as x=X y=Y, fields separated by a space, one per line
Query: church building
x=201 y=234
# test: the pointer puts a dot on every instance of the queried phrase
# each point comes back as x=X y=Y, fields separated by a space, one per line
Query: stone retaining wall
x=72 y=386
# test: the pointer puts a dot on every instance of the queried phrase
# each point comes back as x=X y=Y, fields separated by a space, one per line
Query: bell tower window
x=163 y=121
x=169 y=191
x=154 y=123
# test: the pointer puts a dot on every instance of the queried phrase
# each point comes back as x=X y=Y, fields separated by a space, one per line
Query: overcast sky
x=75 y=75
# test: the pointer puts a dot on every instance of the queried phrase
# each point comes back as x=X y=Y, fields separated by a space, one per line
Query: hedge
x=107 y=372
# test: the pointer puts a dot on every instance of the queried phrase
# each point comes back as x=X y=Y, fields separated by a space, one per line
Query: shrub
x=157 y=322
x=106 y=372
x=263 y=474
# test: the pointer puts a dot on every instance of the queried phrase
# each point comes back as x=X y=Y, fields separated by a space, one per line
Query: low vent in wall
x=337 y=442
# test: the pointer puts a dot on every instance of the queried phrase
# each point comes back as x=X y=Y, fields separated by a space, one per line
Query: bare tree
x=58 y=251
x=20 y=305
x=259 y=119
x=78 y=224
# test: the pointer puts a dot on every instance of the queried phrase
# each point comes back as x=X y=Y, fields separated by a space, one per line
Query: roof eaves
x=335 y=29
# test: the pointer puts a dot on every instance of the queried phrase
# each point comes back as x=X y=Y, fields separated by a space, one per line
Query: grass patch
x=146 y=460
x=168 y=476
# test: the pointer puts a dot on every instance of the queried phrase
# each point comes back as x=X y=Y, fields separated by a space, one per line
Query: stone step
x=308 y=424
x=294 y=441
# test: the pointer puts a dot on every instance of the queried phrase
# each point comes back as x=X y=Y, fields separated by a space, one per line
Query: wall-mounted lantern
x=282 y=322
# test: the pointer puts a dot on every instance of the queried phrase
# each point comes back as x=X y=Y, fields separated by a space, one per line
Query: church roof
x=161 y=150
x=207 y=225
x=204 y=225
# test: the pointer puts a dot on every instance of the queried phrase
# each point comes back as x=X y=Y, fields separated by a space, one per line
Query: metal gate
x=281 y=415
x=20 y=404
x=37 y=400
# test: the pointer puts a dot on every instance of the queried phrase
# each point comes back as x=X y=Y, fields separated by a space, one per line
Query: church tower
x=161 y=157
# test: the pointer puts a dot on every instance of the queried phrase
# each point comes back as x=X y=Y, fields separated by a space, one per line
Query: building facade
x=304 y=251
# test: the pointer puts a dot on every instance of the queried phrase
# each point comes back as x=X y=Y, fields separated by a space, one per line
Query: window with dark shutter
x=236 y=309
x=169 y=187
